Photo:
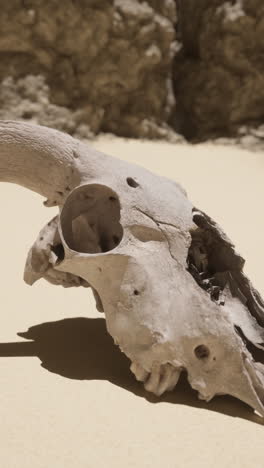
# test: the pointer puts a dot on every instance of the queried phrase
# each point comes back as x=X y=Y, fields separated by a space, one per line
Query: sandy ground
x=67 y=398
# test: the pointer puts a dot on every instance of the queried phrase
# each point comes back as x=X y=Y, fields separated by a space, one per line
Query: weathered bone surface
x=167 y=278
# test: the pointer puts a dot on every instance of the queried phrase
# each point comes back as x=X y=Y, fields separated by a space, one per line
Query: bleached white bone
x=167 y=278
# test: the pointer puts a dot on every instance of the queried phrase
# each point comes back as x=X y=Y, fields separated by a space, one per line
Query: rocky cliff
x=109 y=59
x=132 y=67
x=219 y=72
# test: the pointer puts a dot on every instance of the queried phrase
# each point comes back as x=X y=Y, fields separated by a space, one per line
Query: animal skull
x=167 y=278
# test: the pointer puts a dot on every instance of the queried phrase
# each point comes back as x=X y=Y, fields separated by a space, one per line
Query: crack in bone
x=163 y=232
x=156 y=221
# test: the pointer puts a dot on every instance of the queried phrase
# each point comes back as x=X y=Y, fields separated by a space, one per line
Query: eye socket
x=90 y=219
x=202 y=352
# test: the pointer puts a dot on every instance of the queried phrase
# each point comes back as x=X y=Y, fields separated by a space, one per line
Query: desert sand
x=67 y=398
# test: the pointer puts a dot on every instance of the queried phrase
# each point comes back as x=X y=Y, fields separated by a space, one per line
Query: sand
x=82 y=408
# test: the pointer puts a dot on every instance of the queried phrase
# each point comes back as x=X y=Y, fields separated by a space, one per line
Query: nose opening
x=90 y=219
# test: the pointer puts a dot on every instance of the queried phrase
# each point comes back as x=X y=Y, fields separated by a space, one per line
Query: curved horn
x=41 y=159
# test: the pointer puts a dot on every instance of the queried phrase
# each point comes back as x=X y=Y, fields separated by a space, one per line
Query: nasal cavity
x=90 y=219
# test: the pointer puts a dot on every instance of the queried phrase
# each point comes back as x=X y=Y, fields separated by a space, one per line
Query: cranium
x=167 y=278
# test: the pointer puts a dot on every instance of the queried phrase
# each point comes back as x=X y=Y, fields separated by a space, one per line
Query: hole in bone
x=136 y=292
x=201 y=352
x=90 y=219
x=59 y=251
x=214 y=264
x=132 y=182
x=116 y=240
x=208 y=265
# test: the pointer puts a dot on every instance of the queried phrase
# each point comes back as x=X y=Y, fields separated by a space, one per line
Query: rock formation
x=133 y=67
x=111 y=60
x=219 y=72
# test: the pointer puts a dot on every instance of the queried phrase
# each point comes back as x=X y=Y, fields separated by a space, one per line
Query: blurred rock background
x=135 y=68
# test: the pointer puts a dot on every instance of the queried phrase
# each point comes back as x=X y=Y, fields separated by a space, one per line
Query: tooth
x=152 y=384
x=169 y=379
x=138 y=371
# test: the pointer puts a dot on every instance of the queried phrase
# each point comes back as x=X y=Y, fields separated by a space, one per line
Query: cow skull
x=167 y=278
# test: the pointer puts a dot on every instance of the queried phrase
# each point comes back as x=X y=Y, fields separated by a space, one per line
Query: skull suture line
x=167 y=278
